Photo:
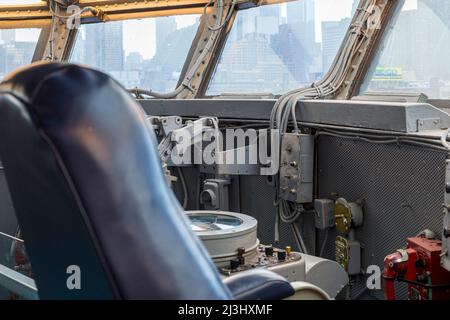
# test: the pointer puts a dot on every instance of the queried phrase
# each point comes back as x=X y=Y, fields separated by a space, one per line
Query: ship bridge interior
x=250 y=149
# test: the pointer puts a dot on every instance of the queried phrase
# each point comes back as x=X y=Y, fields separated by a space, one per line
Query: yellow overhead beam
x=33 y=13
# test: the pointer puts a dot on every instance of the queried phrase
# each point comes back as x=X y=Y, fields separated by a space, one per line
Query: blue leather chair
x=88 y=190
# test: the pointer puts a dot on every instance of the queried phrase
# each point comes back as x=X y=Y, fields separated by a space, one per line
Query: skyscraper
x=8 y=35
x=113 y=46
x=301 y=17
x=104 y=46
x=333 y=33
x=164 y=26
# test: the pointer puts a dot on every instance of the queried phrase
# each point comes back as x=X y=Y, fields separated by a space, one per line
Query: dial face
x=342 y=217
x=211 y=222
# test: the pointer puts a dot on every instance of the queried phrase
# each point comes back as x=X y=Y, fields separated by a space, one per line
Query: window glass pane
x=415 y=57
x=146 y=53
x=16 y=48
x=276 y=48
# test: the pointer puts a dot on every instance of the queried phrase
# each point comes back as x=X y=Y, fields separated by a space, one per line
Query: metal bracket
x=429 y=124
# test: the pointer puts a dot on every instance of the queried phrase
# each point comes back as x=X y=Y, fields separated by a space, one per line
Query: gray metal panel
x=23 y=286
x=236 y=109
x=257 y=201
x=401 y=117
x=402 y=187
x=389 y=116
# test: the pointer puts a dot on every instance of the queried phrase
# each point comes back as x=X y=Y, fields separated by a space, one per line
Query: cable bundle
x=285 y=107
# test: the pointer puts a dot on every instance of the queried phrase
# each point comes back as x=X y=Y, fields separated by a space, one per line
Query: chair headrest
x=88 y=190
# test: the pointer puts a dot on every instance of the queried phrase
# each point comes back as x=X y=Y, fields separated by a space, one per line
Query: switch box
x=297 y=167
x=348 y=255
x=324 y=217
x=215 y=194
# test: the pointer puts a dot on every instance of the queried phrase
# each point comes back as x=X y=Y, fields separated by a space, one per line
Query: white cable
x=444 y=138
x=324 y=243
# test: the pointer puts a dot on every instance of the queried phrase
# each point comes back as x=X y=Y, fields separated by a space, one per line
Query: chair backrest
x=89 y=193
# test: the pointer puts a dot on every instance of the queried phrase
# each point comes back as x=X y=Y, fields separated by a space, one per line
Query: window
x=16 y=48
x=276 y=48
x=415 y=55
x=146 y=53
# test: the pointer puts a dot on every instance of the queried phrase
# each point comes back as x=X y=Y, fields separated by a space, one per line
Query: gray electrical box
x=348 y=255
x=324 y=217
x=296 y=167
x=215 y=194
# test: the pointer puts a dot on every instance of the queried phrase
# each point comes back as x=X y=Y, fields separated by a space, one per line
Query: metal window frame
x=38 y=15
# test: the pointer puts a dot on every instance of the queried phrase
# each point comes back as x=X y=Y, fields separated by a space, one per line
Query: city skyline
x=139 y=41
x=270 y=48
x=325 y=10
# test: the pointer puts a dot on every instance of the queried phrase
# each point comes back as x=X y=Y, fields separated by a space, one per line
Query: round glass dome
x=211 y=222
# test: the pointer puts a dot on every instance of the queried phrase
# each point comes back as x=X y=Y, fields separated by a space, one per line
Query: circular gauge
x=223 y=233
x=211 y=222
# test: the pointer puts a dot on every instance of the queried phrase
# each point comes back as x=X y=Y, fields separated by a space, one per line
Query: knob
x=281 y=255
x=268 y=251
x=234 y=264
x=288 y=250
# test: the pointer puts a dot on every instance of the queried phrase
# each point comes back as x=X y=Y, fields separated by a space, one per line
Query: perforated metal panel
x=257 y=200
x=402 y=187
